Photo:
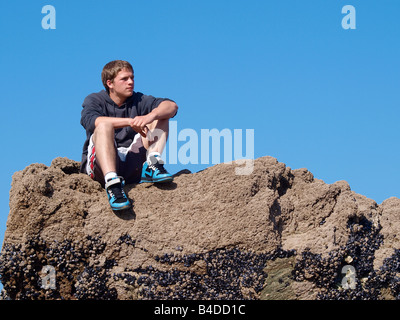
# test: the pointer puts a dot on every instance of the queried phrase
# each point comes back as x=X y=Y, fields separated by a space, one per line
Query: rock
x=276 y=233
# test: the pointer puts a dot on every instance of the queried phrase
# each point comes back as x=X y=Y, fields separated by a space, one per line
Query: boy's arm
x=121 y=123
x=166 y=109
x=116 y=122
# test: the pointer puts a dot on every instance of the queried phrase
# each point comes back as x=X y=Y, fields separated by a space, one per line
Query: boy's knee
x=162 y=124
x=104 y=127
x=102 y=130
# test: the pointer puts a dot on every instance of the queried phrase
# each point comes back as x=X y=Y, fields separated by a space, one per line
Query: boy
x=126 y=132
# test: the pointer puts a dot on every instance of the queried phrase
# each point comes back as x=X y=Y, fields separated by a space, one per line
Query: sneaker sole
x=122 y=208
x=162 y=180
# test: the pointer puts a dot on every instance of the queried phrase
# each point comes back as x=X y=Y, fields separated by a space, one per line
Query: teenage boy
x=126 y=132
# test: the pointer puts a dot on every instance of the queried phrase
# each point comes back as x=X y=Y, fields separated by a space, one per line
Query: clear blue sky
x=316 y=95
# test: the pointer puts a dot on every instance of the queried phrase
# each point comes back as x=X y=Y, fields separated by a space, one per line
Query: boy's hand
x=139 y=124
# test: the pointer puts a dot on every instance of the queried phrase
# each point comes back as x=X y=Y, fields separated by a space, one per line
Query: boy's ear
x=110 y=84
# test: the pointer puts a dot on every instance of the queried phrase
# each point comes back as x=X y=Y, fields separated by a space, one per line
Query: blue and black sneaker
x=116 y=194
x=154 y=171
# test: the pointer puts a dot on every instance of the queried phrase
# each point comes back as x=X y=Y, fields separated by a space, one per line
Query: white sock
x=110 y=175
x=152 y=159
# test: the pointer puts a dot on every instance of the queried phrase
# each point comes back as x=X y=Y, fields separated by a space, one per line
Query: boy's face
x=123 y=84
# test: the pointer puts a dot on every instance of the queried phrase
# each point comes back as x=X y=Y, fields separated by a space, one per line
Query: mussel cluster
x=21 y=267
x=327 y=272
x=82 y=270
x=229 y=274
x=226 y=273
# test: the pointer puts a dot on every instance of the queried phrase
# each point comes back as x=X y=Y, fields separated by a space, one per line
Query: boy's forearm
x=116 y=122
x=166 y=110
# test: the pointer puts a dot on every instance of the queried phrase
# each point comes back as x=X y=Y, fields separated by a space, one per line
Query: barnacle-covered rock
x=275 y=233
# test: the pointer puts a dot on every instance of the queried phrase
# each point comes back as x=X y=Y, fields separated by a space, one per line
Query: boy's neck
x=119 y=101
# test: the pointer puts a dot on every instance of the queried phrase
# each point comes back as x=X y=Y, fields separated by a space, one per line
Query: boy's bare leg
x=157 y=136
x=106 y=156
x=103 y=139
x=153 y=169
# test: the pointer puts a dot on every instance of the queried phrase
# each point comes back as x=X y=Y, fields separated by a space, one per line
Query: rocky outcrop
x=276 y=233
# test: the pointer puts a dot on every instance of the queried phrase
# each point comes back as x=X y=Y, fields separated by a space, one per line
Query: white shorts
x=129 y=162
